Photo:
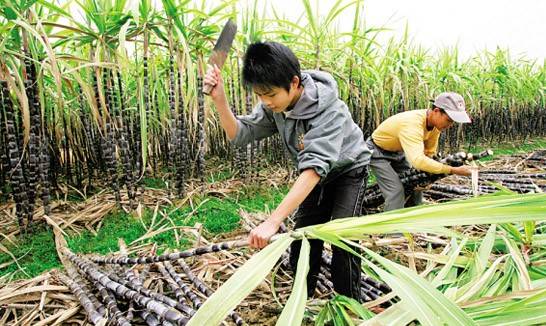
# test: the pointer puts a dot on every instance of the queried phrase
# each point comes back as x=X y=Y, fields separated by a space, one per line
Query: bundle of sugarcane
x=520 y=183
x=115 y=290
x=414 y=178
x=123 y=294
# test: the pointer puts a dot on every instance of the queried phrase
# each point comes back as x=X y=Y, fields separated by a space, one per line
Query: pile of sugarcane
x=119 y=288
x=413 y=178
x=490 y=180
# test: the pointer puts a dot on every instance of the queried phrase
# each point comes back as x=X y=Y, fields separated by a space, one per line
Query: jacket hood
x=319 y=92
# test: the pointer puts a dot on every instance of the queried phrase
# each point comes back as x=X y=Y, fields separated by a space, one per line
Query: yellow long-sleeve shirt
x=407 y=131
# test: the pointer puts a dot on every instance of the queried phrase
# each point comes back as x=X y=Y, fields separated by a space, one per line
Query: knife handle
x=207 y=88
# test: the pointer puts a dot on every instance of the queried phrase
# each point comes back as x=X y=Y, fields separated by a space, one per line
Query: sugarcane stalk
x=439 y=195
x=515 y=179
x=31 y=88
x=113 y=311
x=182 y=289
x=200 y=130
x=18 y=182
x=92 y=314
x=109 y=148
x=154 y=295
x=161 y=309
x=171 y=256
x=203 y=288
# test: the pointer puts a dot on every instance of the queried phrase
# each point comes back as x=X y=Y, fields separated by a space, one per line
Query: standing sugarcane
x=108 y=143
x=181 y=149
x=31 y=89
x=174 y=137
x=146 y=87
x=4 y=160
x=200 y=162
x=124 y=146
x=44 y=165
x=18 y=182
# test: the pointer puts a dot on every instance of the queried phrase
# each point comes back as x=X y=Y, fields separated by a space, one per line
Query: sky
x=470 y=25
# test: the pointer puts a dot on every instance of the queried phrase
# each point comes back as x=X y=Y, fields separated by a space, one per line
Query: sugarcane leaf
x=449 y=265
x=240 y=284
x=513 y=231
x=484 y=252
x=524 y=280
x=523 y=317
x=397 y=314
x=446 y=310
x=354 y=306
x=292 y=314
x=421 y=310
x=529 y=228
x=492 y=209
x=475 y=286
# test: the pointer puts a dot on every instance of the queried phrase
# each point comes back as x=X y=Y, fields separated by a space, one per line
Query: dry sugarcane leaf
x=43 y=297
x=15 y=260
x=33 y=289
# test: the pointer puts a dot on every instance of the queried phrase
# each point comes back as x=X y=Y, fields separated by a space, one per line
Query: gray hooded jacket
x=319 y=132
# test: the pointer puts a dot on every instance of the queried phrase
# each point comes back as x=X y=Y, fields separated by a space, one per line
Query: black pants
x=342 y=197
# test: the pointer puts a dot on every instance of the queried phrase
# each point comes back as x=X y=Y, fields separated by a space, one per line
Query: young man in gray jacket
x=327 y=147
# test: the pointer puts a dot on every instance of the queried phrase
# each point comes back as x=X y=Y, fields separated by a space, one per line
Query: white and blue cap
x=453 y=105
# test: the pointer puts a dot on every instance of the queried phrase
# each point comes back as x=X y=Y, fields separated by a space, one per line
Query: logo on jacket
x=300 y=142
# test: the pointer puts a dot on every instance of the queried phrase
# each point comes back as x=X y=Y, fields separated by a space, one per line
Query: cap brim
x=459 y=117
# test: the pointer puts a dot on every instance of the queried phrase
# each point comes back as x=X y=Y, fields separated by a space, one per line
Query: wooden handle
x=207 y=88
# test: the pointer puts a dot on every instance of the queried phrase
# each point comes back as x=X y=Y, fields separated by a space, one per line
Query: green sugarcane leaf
x=446 y=310
x=292 y=314
x=397 y=314
x=524 y=280
x=354 y=306
x=523 y=317
x=240 y=284
x=529 y=228
x=484 y=252
x=449 y=265
x=472 y=288
x=421 y=310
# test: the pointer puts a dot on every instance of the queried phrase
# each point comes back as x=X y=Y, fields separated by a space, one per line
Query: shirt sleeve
x=255 y=126
x=411 y=139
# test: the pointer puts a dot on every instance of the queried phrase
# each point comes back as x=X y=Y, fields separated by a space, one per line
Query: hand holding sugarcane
x=259 y=236
x=463 y=170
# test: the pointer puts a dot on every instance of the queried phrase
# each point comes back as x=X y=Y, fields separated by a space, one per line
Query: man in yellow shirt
x=410 y=139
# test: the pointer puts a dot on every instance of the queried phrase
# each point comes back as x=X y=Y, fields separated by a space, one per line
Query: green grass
x=35 y=254
x=156 y=183
x=216 y=215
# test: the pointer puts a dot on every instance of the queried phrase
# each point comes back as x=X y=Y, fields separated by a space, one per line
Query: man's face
x=278 y=99
x=442 y=120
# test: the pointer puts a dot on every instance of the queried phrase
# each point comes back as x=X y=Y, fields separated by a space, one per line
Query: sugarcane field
x=255 y=162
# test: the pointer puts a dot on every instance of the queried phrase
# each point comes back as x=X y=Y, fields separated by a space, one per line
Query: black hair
x=270 y=64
